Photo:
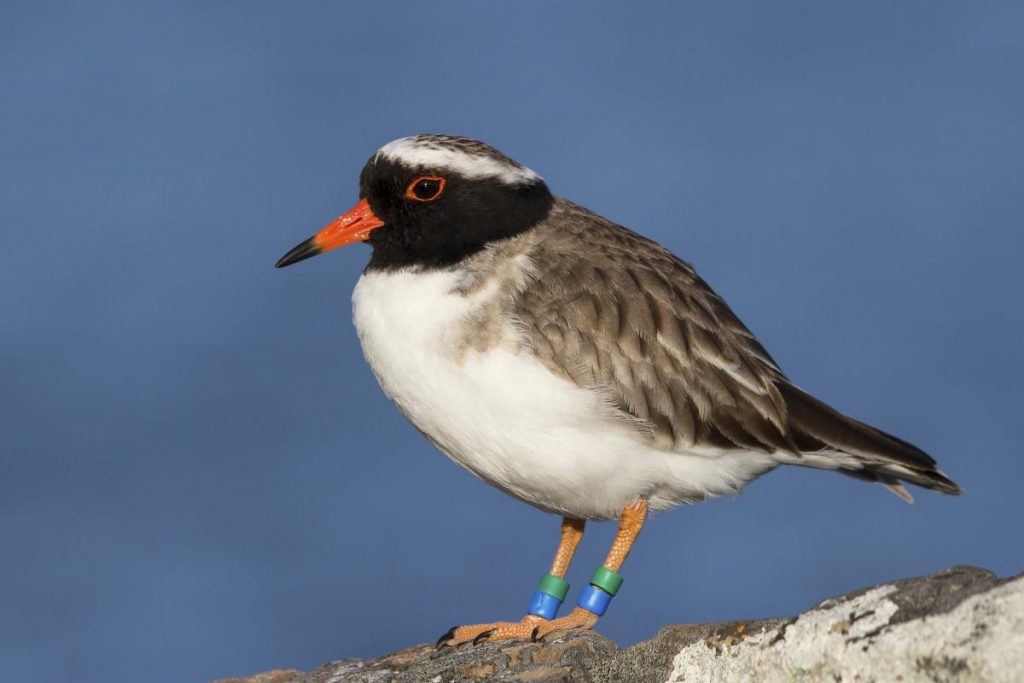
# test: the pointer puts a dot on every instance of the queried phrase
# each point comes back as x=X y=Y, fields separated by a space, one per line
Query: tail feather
x=899 y=490
x=877 y=455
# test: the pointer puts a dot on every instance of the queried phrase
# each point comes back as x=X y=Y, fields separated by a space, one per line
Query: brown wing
x=631 y=319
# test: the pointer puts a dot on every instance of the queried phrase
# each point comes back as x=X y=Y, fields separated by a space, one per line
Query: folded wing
x=630 y=319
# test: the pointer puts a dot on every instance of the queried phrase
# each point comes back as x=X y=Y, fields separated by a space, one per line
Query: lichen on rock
x=962 y=624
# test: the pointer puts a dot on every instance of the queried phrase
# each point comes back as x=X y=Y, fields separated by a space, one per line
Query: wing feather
x=630 y=319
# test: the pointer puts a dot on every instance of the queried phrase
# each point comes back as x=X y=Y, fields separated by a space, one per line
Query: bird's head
x=431 y=200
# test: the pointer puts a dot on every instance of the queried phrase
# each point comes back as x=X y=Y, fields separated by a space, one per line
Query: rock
x=962 y=624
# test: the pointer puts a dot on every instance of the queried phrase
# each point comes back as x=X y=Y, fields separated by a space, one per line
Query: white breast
x=502 y=415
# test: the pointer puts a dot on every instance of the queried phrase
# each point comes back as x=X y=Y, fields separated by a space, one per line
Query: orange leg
x=572 y=532
x=630 y=523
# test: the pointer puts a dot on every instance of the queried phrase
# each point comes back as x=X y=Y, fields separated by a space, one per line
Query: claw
x=533 y=634
x=443 y=640
x=484 y=635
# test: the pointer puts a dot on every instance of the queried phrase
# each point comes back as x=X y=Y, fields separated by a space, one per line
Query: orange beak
x=354 y=226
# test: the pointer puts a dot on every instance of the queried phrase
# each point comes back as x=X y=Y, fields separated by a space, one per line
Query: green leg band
x=606 y=580
x=554 y=586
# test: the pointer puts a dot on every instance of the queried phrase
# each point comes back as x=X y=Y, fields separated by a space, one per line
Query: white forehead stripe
x=417 y=152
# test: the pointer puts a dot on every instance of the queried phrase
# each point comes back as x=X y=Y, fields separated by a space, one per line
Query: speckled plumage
x=625 y=317
x=629 y=317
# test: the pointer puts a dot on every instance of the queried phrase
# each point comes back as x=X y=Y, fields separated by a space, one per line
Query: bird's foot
x=499 y=630
x=578 y=620
x=530 y=628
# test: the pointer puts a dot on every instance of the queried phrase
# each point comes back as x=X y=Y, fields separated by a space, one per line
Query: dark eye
x=425 y=189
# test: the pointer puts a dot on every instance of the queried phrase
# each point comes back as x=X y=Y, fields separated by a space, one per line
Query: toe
x=484 y=635
x=579 y=619
x=448 y=635
x=479 y=633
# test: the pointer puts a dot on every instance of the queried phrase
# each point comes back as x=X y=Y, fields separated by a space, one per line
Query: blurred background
x=199 y=476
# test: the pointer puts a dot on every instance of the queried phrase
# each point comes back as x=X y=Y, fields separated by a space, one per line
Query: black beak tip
x=301 y=252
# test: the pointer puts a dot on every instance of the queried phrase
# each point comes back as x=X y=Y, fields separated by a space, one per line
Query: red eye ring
x=425 y=189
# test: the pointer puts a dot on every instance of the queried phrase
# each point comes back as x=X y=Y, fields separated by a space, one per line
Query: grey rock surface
x=961 y=624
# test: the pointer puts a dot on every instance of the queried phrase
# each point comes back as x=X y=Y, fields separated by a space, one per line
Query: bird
x=571 y=362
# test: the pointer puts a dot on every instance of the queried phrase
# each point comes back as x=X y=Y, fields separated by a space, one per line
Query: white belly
x=503 y=416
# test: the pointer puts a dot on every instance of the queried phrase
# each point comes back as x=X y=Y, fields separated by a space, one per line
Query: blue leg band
x=594 y=599
x=544 y=605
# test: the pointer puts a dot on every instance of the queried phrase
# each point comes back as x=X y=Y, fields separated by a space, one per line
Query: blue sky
x=199 y=476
